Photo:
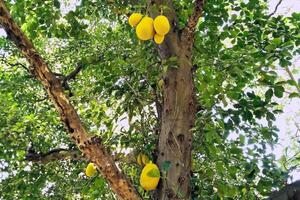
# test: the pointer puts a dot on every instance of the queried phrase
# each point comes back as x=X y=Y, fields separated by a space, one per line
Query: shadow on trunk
x=289 y=192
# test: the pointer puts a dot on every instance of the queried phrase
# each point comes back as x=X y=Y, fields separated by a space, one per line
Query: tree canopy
x=117 y=85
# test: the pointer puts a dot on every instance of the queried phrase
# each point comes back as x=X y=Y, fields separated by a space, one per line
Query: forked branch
x=92 y=148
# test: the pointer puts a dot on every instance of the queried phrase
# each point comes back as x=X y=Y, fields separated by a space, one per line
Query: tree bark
x=179 y=106
x=91 y=147
x=175 y=140
x=289 y=192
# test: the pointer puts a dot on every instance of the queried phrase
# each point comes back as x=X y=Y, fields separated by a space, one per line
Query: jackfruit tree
x=148 y=99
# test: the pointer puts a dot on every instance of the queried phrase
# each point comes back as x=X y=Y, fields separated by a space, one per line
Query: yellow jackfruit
x=139 y=159
x=145 y=159
x=161 y=25
x=150 y=176
x=142 y=159
x=134 y=19
x=158 y=38
x=90 y=170
x=145 y=29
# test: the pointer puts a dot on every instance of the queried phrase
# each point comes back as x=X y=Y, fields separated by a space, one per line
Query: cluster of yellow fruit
x=150 y=174
x=90 y=170
x=147 y=28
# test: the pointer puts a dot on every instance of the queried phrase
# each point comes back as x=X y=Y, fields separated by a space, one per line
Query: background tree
x=197 y=91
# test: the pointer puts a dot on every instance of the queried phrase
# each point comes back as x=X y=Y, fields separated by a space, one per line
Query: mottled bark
x=179 y=105
x=175 y=140
x=90 y=147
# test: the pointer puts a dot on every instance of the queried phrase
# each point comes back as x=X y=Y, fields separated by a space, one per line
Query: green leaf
x=270 y=116
x=269 y=94
x=56 y=4
x=291 y=82
x=166 y=165
x=276 y=41
x=270 y=47
x=154 y=173
x=278 y=91
x=294 y=95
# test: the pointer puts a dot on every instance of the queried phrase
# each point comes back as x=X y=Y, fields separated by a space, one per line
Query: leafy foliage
x=117 y=94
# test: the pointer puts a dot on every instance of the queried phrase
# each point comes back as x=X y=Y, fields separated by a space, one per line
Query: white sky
x=286 y=7
x=291 y=115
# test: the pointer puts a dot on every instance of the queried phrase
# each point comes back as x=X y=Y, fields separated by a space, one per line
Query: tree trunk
x=178 y=115
x=289 y=192
x=175 y=140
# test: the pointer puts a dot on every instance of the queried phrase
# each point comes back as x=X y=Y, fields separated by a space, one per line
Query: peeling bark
x=90 y=147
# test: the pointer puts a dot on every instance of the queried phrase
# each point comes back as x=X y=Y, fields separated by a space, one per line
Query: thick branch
x=54 y=155
x=189 y=30
x=92 y=148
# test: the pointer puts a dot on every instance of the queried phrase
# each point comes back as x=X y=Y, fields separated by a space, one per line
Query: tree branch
x=53 y=155
x=292 y=78
x=92 y=148
x=64 y=79
x=189 y=30
x=72 y=154
x=278 y=4
x=73 y=74
x=3 y=59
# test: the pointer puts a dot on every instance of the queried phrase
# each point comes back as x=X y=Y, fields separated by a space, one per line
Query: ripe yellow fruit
x=145 y=159
x=134 y=19
x=142 y=159
x=161 y=25
x=145 y=29
x=150 y=177
x=158 y=38
x=139 y=159
x=90 y=170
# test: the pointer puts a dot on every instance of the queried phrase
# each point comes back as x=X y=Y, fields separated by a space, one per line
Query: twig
x=73 y=74
x=293 y=78
x=19 y=64
x=3 y=59
x=278 y=4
